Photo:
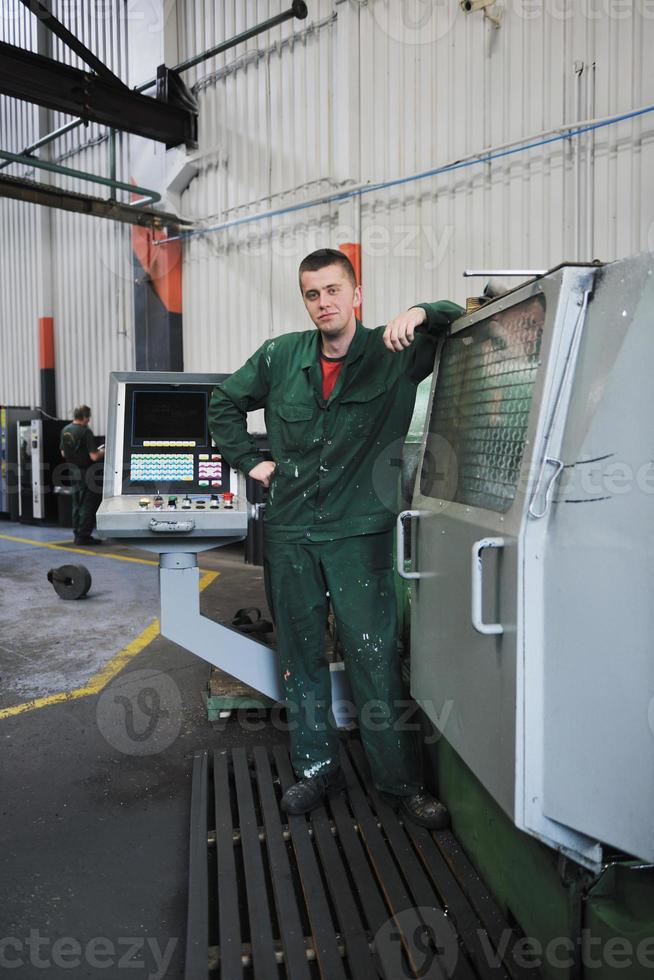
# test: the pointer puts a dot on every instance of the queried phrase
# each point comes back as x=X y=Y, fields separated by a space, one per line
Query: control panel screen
x=171 y=416
x=167 y=446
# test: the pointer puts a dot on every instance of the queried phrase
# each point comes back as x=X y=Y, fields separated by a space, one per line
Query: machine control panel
x=165 y=477
x=167 y=444
x=195 y=502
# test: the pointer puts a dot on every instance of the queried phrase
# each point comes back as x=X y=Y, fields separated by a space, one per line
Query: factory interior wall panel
x=19 y=310
x=427 y=93
x=17 y=25
x=265 y=133
x=87 y=262
x=20 y=270
x=93 y=310
x=92 y=291
x=456 y=86
x=20 y=260
x=275 y=127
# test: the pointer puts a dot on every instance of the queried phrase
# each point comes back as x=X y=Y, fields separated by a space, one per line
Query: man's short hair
x=82 y=412
x=323 y=257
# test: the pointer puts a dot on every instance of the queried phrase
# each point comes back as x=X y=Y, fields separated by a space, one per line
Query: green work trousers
x=357 y=573
x=85 y=504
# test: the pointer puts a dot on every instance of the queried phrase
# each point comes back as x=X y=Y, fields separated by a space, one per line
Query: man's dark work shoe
x=87 y=540
x=425 y=810
x=308 y=793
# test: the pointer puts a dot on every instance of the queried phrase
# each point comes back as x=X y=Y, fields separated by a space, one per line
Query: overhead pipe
x=147 y=195
x=485 y=156
x=298 y=9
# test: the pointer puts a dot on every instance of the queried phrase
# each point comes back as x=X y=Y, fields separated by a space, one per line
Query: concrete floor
x=95 y=789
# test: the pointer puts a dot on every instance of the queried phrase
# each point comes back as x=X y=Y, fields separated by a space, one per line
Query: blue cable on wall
x=346 y=194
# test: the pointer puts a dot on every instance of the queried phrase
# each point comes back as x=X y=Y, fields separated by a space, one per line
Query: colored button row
x=160 y=478
x=159 y=465
x=160 y=443
x=163 y=467
x=163 y=471
x=158 y=457
x=206 y=483
x=203 y=456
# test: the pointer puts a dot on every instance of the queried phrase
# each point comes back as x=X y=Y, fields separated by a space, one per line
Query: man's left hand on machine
x=400 y=330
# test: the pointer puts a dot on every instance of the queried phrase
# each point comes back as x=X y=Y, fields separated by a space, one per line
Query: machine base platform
x=347 y=892
x=226 y=694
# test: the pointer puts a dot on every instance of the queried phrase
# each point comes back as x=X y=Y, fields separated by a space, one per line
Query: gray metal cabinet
x=533 y=543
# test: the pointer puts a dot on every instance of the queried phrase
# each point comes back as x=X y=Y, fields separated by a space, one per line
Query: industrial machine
x=39 y=468
x=10 y=415
x=165 y=480
x=532 y=538
x=167 y=489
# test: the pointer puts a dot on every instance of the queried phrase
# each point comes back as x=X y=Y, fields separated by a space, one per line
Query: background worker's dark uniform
x=76 y=443
x=329 y=525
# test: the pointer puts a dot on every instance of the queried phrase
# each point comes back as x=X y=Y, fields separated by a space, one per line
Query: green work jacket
x=337 y=460
x=76 y=442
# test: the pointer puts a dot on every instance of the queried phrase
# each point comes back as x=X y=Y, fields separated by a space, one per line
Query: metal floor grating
x=348 y=892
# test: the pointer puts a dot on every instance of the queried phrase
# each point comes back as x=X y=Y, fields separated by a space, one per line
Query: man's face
x=330 y=299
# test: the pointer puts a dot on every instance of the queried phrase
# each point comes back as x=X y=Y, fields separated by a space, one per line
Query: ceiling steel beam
x=34 y=78
x=47 y=18
x=53 y=197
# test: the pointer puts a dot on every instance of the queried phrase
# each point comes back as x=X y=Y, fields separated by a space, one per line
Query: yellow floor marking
x=62 y=546
x=97 y=552
x=113 y=667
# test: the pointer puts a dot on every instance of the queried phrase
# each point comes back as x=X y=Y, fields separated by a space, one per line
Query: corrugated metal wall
x=377 y=90
x=454 y=86
x=265 y=137
x=75 y=268
x=19 y=255
x=357 y=93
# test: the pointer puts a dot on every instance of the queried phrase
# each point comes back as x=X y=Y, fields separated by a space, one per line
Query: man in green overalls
x=77 y=446
x=338 y=400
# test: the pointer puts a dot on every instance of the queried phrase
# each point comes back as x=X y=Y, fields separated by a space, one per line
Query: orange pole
x=353 y=252
x=46 y=342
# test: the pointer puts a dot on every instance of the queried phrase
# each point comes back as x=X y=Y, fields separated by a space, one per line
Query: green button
x=203 y=483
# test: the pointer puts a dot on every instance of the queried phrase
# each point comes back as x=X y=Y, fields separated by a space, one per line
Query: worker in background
x=337 y=400
x=77 y=445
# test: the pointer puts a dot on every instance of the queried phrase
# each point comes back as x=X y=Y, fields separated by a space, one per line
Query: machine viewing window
x=480 y=412
x=169 y=415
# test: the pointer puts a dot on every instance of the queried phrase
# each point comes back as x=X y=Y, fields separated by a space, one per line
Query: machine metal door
x=24 y=439
x=36 y=436
x=485 y=467
x=465 y=547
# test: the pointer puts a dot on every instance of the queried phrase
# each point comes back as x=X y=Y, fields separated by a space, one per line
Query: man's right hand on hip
x=263 y=472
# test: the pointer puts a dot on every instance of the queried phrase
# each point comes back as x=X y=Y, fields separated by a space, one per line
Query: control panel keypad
x=161 y=467
x=209 y=469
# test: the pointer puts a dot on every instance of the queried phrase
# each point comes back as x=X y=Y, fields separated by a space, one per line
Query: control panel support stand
x=240 y=656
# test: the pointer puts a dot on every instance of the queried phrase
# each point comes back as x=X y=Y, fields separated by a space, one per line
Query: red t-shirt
x=331 y=368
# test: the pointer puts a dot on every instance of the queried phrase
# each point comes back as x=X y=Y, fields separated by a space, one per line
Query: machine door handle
x=171 y=527
x=488 y=629
x=399 y=557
